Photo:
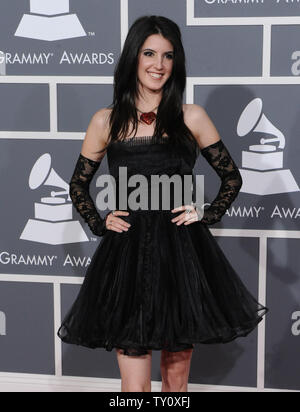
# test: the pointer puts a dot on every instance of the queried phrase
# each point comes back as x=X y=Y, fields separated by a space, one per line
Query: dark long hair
x=169 y=118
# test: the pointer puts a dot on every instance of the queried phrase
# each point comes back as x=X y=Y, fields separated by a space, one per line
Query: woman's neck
x=148 y=102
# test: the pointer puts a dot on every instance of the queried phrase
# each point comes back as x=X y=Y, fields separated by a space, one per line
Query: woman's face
x=155 y=62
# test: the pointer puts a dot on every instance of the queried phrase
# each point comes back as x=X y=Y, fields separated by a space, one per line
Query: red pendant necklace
x=148 y=117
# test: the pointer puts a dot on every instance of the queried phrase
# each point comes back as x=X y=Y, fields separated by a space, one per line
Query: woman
x=158 y=279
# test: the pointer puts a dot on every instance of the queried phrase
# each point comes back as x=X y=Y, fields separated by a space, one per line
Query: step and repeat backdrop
x=57 y=59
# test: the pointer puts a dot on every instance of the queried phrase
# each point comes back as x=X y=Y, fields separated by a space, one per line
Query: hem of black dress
x=137 y=349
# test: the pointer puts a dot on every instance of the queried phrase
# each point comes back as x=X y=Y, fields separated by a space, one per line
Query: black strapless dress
x=159 y=285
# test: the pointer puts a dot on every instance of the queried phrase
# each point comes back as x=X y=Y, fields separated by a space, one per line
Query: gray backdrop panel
x=285 y=41
x=16 y=114
x=77 y=103
x=28 y=346
x=283 y=299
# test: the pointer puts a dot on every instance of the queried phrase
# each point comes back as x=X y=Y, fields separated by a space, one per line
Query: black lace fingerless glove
x=219 y=158
x=79 y=192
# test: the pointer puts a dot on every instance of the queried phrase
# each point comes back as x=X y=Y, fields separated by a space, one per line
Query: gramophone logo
x=2 y=324
x=52 y=223
x=262 y=165
x=50 y=20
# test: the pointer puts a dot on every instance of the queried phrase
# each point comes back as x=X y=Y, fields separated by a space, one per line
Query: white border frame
x=58 y=383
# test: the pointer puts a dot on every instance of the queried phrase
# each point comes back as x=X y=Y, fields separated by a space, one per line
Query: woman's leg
x=175 y=369
x=135 y=372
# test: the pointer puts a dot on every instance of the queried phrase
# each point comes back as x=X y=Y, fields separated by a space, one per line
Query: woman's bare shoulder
x=97 y=134
x=200 y=124
x=193 y=112
x=102 y=116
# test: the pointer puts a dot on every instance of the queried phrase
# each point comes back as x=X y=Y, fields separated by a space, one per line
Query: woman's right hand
x=115 y=223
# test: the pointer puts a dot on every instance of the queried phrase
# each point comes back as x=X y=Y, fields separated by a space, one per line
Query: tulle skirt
x=159 y=286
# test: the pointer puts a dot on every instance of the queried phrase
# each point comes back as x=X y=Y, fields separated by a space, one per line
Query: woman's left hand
x=186 y=218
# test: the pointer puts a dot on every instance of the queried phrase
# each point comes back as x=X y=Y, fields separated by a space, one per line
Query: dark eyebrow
x=171 y=51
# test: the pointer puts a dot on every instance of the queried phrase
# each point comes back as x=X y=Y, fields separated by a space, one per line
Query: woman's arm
x=215 y=152
x=86 y=166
